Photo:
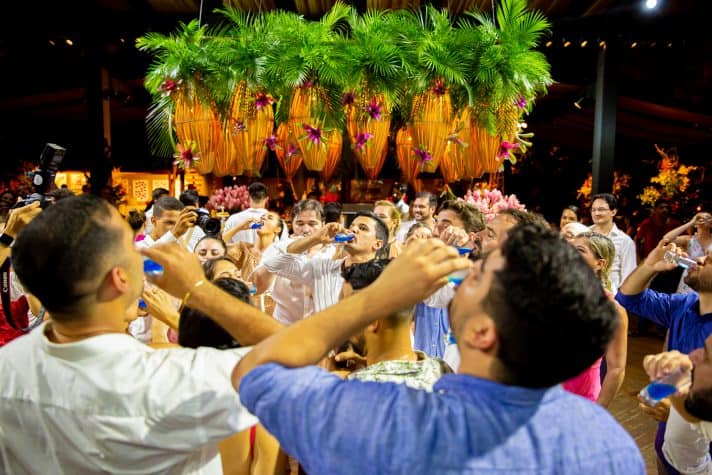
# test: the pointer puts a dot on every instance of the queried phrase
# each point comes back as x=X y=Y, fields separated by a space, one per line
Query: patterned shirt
x=420 y=374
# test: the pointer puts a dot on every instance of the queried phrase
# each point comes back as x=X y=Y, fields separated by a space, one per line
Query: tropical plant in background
x=461 y=85
x=621 y=182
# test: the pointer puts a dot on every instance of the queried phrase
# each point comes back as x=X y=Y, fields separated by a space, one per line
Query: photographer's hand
x=186 y=220
x=19 y=218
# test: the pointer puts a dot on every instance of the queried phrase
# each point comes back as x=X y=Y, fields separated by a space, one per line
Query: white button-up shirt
x=109 y=404
x=687 y=446
x=321 y=274
x=625 y=260
x=248 y=235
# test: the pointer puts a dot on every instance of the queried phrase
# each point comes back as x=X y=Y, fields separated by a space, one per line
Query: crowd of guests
x=439 y=342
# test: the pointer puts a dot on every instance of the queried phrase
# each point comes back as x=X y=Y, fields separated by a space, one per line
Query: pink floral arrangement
x=231 y=199
x=491 y=202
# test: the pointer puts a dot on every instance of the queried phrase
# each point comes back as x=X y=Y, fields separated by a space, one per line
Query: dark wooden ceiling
x=664 y=79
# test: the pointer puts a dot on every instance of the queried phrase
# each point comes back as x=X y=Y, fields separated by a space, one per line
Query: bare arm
x=307 y=341
x=615 y=360
x=324 y=236
x=639 y=279
x=242 y=226
x=672 y=235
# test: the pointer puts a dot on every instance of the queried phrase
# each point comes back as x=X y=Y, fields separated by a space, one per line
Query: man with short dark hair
x=604 y=207
x=323 y=274
x=171 y=219
x=423 y=211
x=156 y=194
x=258 y=207
x=384 y=345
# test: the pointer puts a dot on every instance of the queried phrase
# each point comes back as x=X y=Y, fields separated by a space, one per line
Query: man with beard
x=688 y=317
x=423 y=210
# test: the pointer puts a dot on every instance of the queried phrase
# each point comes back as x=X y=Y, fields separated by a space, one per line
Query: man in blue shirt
x=688 y=317
x=526 y=318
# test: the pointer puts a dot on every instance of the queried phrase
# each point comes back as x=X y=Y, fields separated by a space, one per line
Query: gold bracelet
x=188 y=293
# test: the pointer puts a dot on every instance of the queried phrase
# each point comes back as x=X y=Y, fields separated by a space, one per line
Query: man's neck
x=81 y=329
x=604 y=229
x=429 y=222
x=478 y=364
x=264 y=241
x=359 y=258
x=257 y=204
x=392 y=344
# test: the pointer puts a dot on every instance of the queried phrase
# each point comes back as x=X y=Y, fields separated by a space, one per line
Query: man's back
x=112 y=405
x=467 y=425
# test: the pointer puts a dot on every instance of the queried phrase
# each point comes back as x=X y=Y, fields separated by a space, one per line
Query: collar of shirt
x=88 y=347
x=615 y=231
x=467 y=386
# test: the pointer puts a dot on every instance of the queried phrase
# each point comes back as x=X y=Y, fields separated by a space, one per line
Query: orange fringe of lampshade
x=306 y=102
x=244 y=134
x=333 y=154
x=452 y=165
x=408 y=162
x=372 y=155
x=432 y=116
x=199 y=123
x=290 y=163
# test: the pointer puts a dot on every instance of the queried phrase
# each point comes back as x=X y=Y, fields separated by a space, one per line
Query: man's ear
x=479 y=333
x=119 y=279
x=373 y=327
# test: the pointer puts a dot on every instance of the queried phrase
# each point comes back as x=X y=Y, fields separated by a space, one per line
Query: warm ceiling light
x=69 y=42
x=567 y=44
x=122 y=40
x=577 y=103
x=650 y=4
x=584 y=43
x=634 y=44
x=669 y=45
x=602 y=44
x=52 y=42
x=549 y=43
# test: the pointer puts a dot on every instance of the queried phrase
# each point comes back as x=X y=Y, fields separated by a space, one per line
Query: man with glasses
x=603 y=208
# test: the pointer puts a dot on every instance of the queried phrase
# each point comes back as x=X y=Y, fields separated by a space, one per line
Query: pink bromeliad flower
x=439 y=88
x=238 y=126
x=186 y=155
x=313 y=134
x=423 y=155
x=374 y=109
x=292 y=150
x=271 y=142
x=505 y=149
x=168 y=86
x=521 y=102
x=361 y=139
x=263 y=100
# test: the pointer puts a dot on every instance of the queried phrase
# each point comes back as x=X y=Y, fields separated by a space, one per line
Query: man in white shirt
x=323 y=274
x=258 y=207
x=604 y=207
x=423 y=211
x=171 y=220
x=78 y=394
x=290 y=298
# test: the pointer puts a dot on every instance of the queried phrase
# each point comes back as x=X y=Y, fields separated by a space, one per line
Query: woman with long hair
x=390 y=215
x=598 y=251
x=695 y=245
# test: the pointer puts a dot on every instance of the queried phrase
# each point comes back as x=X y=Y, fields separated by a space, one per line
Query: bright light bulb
x=650 y=4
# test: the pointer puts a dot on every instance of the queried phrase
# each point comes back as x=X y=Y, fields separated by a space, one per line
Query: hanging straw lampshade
x=199 y=123
x=287 y=150
x=250 y=121
x=368 y=123
x=333 y=154
x=432 y=116
x=307 y=125
x=452 y=165
x=409 y=163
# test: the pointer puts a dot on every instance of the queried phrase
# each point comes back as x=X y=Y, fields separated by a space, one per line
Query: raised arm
x=324 y=236
x=639 y=279
x=672 y=236
x=241 y=226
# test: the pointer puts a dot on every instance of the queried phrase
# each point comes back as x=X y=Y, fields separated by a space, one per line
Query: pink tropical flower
x=168 y=86
x=505 y=149
x=238 y=126
x=271 y=142
x=439 y=87
x=292 y=150
x=263 y=100
x=521 y=102
x=186 y=155
x=307 y=83
x=491 y=202
x=423 y=155
x=348 y=99
x=313 y=134
x=361 y=139
x=374 y=109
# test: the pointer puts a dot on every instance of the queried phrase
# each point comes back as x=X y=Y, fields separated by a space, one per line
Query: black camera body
x=43 y=177
x=210 y=226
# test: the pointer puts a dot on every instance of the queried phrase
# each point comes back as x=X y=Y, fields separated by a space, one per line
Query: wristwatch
x=6 y=240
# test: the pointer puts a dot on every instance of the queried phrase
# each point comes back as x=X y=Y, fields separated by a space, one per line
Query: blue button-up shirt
x=680 y=313
x=431 y=329
x=466 y=425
